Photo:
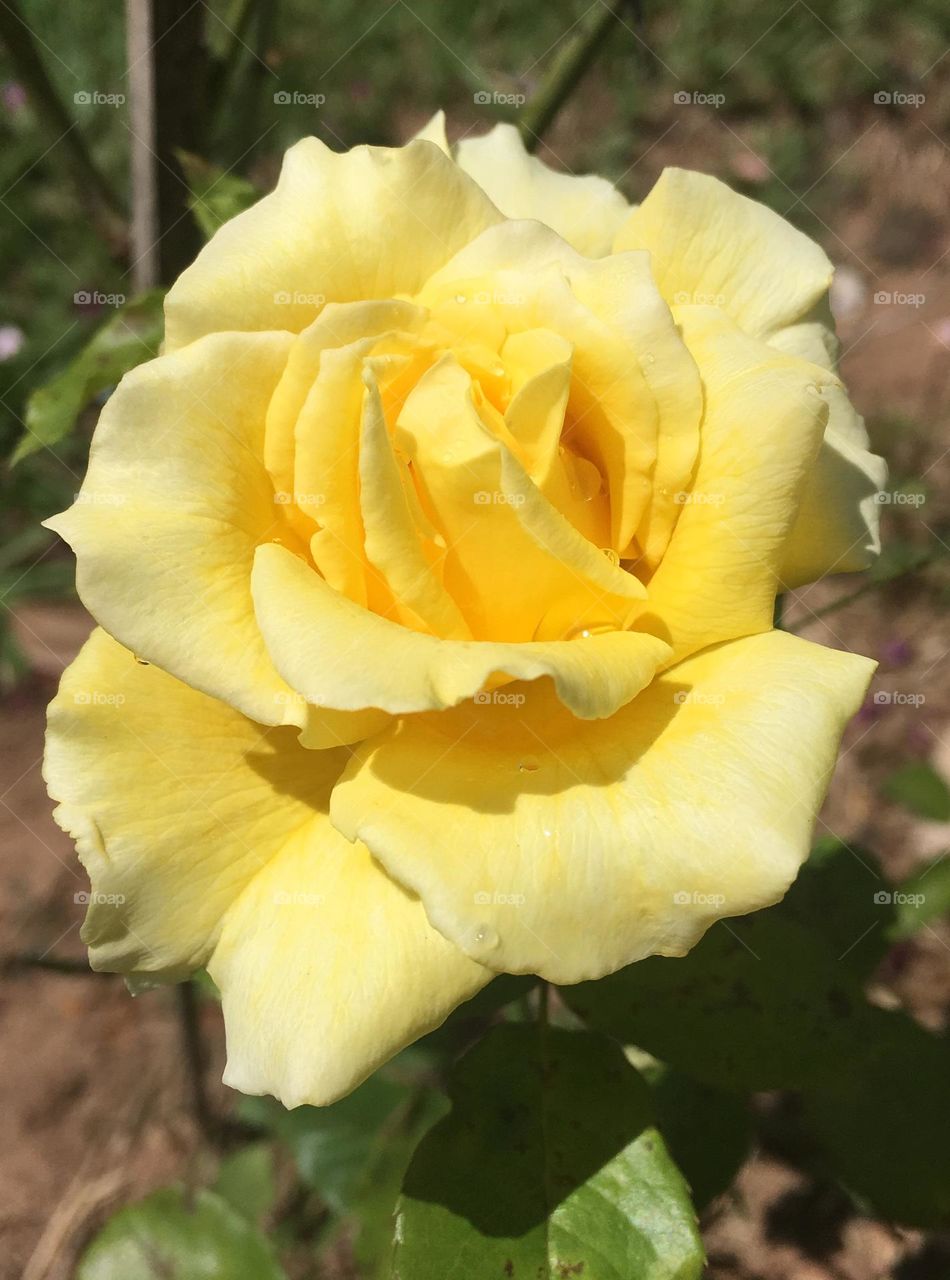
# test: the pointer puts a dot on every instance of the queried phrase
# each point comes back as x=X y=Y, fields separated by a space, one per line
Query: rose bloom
x=435 y=561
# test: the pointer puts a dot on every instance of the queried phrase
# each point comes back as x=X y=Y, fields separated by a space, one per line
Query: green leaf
x=125 y=340
x=216 y=196
x=841 y=896
x=708 y=1132
x=332 y=1145
x=246 y=1181
x=760 y=1003
x=885 y=1131
x=921 y=789
x=547 y=1166
x=173 y=1236
x=922 y=898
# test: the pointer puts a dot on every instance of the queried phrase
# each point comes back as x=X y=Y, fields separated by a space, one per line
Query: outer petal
x=762 y=428
x=175 y=500
x=370 y=223
x=539 y=844
x=326 y=969
x=207 y=841
x=175 y=800
x=838 y=524
x=337 y=654
x=710 y=246
x=587 y=211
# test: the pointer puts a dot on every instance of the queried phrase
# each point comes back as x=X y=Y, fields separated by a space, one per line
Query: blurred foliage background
x=836 y=116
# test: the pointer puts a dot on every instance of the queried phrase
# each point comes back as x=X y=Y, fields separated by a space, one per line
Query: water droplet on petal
x=486 y=937
x=143 y=662
x=529 y=765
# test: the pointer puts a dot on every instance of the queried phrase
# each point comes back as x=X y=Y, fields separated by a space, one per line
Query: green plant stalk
x=93 y=186
x=568 y=68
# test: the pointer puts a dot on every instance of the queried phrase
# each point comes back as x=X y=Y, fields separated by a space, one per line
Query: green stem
x=93 y=186
x=543 y=1005
x=195 y=1057
x=567 y=70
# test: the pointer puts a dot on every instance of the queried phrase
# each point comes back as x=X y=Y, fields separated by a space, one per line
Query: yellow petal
x=710 y=246
x=534 y=280
x=338 y=325
x=175 y=800
x=339 y=655
x=373 y=222
x=762 y=428
x=540 y=844
x=395 y=544
x=326 y=969
x=175 y=500
x=509 y=554
x=586 y=210
x=622 y=291
x=838 y=524
x=207 y=841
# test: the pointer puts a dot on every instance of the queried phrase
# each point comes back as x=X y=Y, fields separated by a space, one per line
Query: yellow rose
x=439 y=549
